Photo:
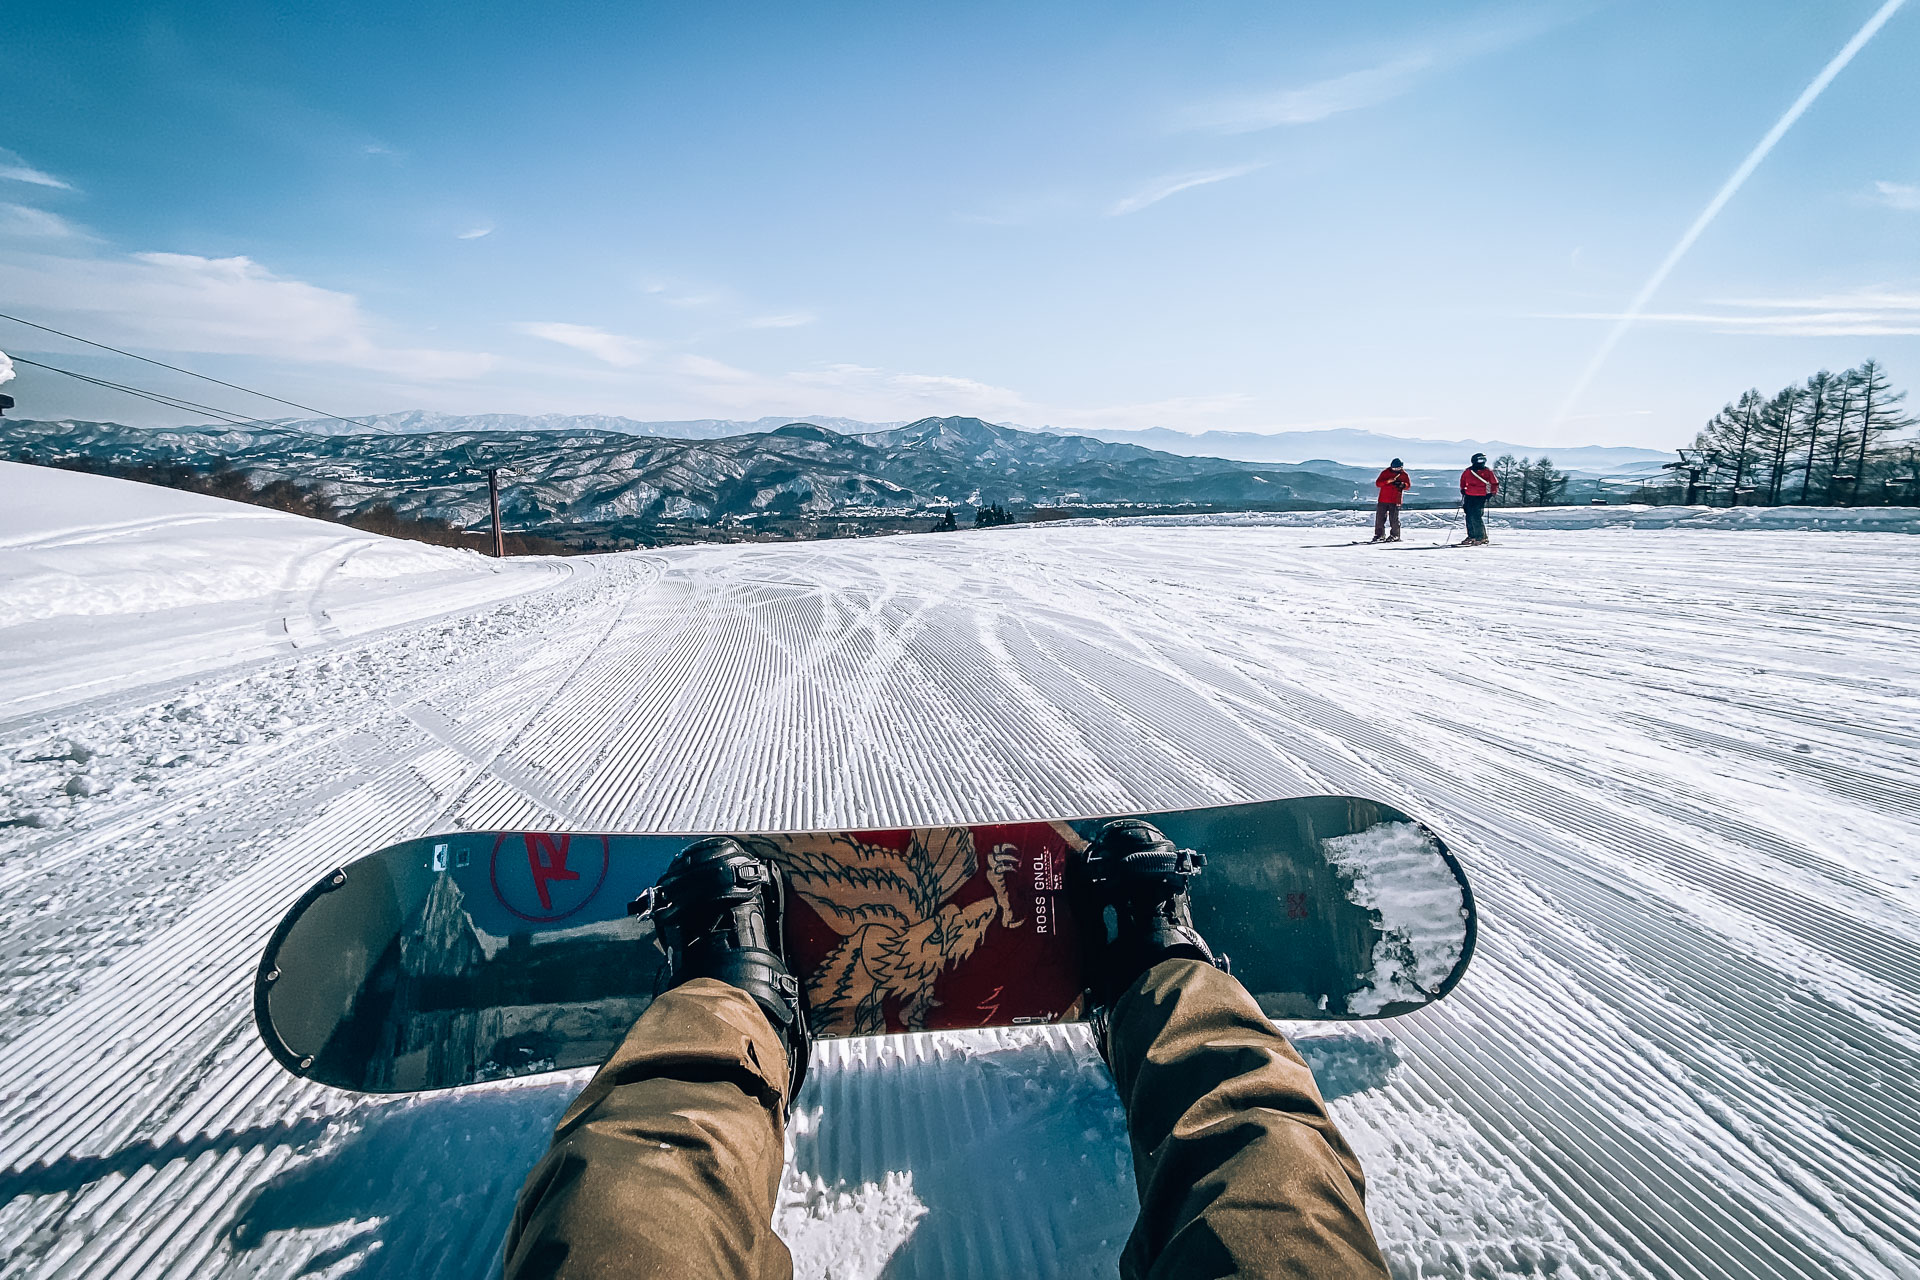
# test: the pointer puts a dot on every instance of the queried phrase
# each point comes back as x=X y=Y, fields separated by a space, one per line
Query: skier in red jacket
x=1392 y=483
x=1478 y=483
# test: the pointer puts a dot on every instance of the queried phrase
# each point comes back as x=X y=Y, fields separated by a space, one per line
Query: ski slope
x=1677 y=761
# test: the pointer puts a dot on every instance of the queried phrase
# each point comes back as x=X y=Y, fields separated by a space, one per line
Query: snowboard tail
x=473 y=956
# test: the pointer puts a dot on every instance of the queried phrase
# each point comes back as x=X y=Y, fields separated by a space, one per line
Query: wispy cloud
x=14 y=169
x=1174 y=183
x=1875 y=312
x=19 y=221
x=707 y=369
x=615 y=349
x=475 y=234
x=790 y=320
x=909 y=395
x=1307 y=104
x=1371 y=85
x=183 y=302
x=1898 y=195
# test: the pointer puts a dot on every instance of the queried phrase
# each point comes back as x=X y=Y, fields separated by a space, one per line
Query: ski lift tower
x=1698 y=464
x=492 y=470
x=493 y=504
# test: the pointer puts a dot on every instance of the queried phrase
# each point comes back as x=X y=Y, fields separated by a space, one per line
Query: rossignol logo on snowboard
x=1047 y=881
x=543 y=878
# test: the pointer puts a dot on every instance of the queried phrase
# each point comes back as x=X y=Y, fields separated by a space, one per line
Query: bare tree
x=1832 y=430
x=1541 y=484
x=1742 y=437
x=1880 y=416
x=1840 y=445
x=1777 y=439
x=1816 y=410
x=1907 y=458
x=1508 y=470
x=1731 y=436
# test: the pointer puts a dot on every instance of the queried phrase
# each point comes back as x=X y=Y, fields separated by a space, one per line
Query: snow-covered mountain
x=423 y=421
x=598 y=476
x=1365 y=449
x=1370 y=449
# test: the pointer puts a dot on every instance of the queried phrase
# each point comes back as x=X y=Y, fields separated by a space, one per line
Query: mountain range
x=1345 y=446
x=566 y=476
x=1367 y=448
x=426 y=421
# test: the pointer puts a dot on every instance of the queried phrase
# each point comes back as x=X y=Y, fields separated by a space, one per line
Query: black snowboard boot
x=1130 y=896
x=719 y=912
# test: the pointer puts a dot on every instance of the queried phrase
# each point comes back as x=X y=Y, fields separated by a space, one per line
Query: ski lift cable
x=161 y=398
x=331 y=417
x=157 y=397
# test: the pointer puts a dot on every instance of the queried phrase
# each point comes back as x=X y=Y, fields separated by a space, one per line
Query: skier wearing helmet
x=1392 y=484
x=1478 y=483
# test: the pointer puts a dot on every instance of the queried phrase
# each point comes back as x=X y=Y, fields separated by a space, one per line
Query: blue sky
x=1419 y=219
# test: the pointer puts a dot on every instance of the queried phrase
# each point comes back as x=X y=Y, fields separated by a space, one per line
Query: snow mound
x=106 y=583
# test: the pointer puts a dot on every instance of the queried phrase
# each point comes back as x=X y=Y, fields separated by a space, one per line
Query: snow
x=1625 y=516
x=1677 y=763
x=103 y=581
x=1396 y=874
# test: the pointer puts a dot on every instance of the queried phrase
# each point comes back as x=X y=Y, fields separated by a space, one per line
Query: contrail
x=1719 y=201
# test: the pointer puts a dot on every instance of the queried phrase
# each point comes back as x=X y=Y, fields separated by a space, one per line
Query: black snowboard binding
x=719 y=912
x=1130 y=894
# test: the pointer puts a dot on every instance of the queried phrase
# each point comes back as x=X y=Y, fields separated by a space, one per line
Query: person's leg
x=1240 y=1169
x=1379 y=521
x=1476 y=524
x=668 y=1163
x=1393 y=521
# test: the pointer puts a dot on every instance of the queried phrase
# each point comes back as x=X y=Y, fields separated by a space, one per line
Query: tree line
x=1828 y=440
x=1528 y=482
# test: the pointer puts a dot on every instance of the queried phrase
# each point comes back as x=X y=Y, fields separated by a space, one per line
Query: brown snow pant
x=669 y=1162
x=1383 y=514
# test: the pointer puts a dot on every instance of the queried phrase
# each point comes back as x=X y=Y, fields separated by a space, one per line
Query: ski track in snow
x=1676 y=762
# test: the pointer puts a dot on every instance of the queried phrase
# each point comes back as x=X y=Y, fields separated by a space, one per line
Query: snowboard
x=474 y=956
